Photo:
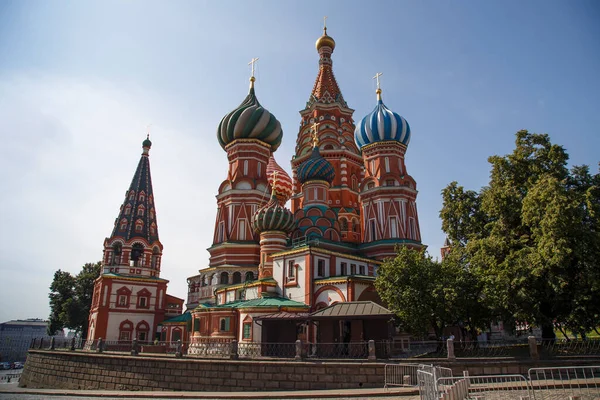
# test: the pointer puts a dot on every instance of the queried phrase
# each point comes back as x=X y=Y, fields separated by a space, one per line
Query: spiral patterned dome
x=381 y=125
x=282 y=185
x=273 y=217
x=250 y=121
x=316 y=168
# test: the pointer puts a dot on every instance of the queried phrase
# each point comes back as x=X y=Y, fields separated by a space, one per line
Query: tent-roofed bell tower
x=134 y=248
x=327 y=107
x=129 y=299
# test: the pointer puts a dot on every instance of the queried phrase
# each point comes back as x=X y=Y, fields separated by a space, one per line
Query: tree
x=426 y=294
x=531 y=236
x=71 y=299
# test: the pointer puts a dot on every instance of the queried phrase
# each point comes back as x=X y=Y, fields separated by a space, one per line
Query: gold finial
x=315 y=134
x=252 y=78
x=378 y=91
x=148 y=131
x=325 y=25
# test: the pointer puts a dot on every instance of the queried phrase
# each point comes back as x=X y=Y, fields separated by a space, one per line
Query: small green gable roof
x=185 y=317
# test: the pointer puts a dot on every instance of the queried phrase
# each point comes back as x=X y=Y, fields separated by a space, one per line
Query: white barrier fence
x=557 y=383
x=577 y=383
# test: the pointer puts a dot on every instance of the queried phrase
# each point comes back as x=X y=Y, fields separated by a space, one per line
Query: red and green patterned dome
x=273 y=217
x=279 y=180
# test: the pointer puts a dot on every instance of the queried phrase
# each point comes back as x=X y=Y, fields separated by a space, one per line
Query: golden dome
x=325 y=40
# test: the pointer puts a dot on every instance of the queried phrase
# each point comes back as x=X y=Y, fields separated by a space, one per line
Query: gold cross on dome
x=325 y=22
x=252 y=62
x=315 y=134
x=376 y=77
x=274 y=175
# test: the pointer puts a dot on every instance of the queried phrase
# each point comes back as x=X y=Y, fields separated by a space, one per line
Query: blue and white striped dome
x=381 y=125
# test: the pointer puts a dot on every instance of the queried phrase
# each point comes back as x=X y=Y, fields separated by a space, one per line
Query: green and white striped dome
x=250 y=121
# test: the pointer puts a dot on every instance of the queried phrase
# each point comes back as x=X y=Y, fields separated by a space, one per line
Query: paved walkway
x=11 y=391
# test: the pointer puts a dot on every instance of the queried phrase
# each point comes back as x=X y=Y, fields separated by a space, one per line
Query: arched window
x=128 y=209
x=355 y=226
x=139 y=225
x=143 y=330
x=152 y=213
x=123 y=224
x=343 y=224
x=137 y=252
x=125 y=330
x=140 y=211
x=249 y=276
x=153 y=229
x=142 y=196
x=143 y=298
x=354 y=183
x=132 y=195
x=224 y=278
x=203 y=280
x=237 y=277
x=117 y=249
x=155 y=258
x=123 y=297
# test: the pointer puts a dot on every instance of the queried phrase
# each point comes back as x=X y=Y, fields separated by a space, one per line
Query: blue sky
x=80 y=81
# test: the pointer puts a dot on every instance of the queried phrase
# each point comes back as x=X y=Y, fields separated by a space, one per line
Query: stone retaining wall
x=87 y=370
x=77 y=370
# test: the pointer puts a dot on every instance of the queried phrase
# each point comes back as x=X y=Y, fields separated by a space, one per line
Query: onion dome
x=381 y=125
x=273 y=217
x=315 y=168
x=250 y=121
x=325 y=40
x=279 y=180
x=147 y=142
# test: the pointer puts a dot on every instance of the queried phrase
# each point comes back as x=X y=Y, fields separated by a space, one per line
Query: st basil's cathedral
x=275 y=274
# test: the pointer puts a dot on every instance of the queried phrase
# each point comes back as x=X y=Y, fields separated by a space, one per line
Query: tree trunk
x=548 y=334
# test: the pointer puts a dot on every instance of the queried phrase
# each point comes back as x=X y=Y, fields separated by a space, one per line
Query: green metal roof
x=185 y=317
x=267 y=301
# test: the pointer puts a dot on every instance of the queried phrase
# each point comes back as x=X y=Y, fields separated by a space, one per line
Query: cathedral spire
x=326 y=89
x=137 y=216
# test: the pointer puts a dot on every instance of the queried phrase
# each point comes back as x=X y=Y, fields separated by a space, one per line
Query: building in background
x=16 y=336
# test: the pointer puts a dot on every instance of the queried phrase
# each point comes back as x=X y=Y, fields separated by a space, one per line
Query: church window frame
x=245 y=167
x=132 y=195
x=247 y=331
x=390 y=182
x=393 y=222
x=142 y=196
x=224 y=278
x=291 y=271
x=125 y=330
x=143 y=331
x=140 y=211
x=236 y=277
x=242 y=229
x=128 y=209
x=343 y=224
x=321 y=268
x=123 y=298
x=153 y=229
x=361 y=270
x=373 y=167
x=143 y=299
x=139 y=225
x=259 y=169
x=412 y=226
x=352 y=269
x=123 y=224
x=344 y=269
x=372 y=230
x=249 y=277
x=387 y=164
x=224 y=324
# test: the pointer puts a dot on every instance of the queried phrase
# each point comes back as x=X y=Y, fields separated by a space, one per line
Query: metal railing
x=496 y=348
x=489 y=387
x=401 y=374
x=10 y=378
x=564 y=347
x=421 y=349
x=210 y=349
x=554 y=383
x=254 y=350
x=565 y=382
